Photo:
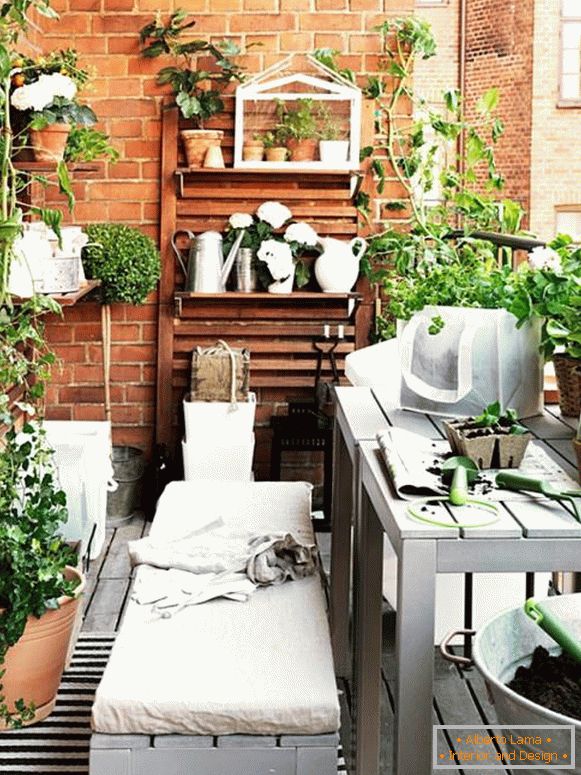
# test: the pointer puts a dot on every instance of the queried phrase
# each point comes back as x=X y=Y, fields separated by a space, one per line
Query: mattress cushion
x=263 y=667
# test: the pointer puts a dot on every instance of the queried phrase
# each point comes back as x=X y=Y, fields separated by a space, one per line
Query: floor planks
x=459 y=697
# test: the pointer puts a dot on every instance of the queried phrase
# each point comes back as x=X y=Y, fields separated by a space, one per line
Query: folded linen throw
x=223 y=563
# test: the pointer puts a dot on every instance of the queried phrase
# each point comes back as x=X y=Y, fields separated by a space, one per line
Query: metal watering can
x=206 y=270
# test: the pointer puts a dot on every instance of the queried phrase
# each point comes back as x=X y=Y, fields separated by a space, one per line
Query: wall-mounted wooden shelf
x=291 y=302
x=68 y=299
x=48 y=166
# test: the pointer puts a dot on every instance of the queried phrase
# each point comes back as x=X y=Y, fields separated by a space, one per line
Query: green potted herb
x=275 y=145
x=253 y=149
x=197 y=88
x=127 y=263
x=86 y=144
x=333 y=148
x=298 y=125
x=494 y=439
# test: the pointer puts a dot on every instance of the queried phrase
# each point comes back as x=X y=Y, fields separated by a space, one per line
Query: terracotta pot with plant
x=333 y=147
x=275 y=146
x=253 y=149
x=197 y=90
x=299 y=126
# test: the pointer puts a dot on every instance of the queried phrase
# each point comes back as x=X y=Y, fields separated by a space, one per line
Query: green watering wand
x=554 y=627
x=510 y=481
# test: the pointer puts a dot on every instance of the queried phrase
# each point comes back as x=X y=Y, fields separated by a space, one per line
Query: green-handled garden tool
x=554 y=627
x=510 y=481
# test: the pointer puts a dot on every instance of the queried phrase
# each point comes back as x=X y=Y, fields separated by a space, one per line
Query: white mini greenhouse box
x=256 y=109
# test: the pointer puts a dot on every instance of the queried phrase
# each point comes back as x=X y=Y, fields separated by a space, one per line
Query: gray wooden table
x=528 y=537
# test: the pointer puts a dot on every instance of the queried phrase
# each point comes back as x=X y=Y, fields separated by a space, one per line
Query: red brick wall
x=499 y=52
x=127 y=100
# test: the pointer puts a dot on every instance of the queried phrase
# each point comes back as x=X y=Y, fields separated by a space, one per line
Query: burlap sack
x=220 y=373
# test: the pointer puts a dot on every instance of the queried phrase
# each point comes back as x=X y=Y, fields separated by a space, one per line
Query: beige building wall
x=434 y=75
x=556 y=131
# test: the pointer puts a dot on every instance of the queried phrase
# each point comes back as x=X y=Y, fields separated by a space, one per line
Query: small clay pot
x=196 y=144
x=253 y=150
x=302 y=150
x=49 y=144
x=276 y=154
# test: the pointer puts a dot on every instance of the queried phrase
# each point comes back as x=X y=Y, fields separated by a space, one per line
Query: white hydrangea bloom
x=544 y=258
x=59 y=85
x=274 y=213
x=302 y=233
x=278 y=257
x=240 y=220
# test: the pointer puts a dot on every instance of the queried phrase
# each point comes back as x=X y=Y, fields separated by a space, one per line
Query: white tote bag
x=477 y=358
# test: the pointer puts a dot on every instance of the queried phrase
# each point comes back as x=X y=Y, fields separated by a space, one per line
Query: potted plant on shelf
x=333 y=148
x=197 y=86
x=298 y=126
x=275 y=146
x=46 y=92
x=127 y=263
x=253 y=149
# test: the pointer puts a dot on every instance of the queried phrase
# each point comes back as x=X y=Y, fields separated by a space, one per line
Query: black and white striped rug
x=60 y=744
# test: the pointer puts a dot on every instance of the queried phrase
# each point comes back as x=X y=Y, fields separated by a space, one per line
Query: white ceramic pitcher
x=337 y=268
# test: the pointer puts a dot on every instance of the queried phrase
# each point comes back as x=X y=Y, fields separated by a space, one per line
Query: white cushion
x=263 y=667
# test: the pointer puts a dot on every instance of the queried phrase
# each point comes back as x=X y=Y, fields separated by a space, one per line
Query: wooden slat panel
x=307 y=209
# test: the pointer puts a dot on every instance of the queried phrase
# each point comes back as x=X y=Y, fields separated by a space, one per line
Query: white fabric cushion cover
x=263 y=667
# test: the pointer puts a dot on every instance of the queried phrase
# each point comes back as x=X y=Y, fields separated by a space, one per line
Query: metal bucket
x=128 y=467
x=507 y=642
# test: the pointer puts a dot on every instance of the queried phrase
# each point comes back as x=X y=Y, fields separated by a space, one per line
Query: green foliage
x=272 y=139
x=254 y=235
x=87 y=144
x=188 y=82
x=328 y=58
x=493 y=416
x=329 y=127
x=63 y=61
x=124 y=259
x=63 y=111
x=298 y=123
x=32 y=555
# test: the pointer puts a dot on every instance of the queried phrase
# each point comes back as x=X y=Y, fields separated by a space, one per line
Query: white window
x=569 y=222
x=571 y=50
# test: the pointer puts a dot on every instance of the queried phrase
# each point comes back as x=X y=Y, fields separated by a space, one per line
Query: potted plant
x=196 y=87
x=495 y=439
x=274 y=146
x=86 y=144
x=253 y=149
x=333 y=148
x=127 y=263
x=46 y=92
x=298 y=126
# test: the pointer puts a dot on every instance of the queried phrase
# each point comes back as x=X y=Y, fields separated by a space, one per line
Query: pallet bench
x=223 y=688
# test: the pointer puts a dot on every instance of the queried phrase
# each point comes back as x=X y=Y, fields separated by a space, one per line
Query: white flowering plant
x=51 y=99
x=259 y=231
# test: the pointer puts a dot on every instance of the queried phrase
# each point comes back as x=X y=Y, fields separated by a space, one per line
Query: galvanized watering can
x=206 y=270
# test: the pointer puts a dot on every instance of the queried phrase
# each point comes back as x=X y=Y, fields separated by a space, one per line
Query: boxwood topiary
x=124 y=259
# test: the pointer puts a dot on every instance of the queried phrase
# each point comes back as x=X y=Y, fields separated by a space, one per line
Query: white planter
x=333 y=151
x=222 y=460
x=283 y=286
x=218 y=420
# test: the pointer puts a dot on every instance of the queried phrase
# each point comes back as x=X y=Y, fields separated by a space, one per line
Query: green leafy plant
x=298 y=123
x=329 y=126
x=272 y=139
x=87 y=144
x=199 y=63
x=493 y=417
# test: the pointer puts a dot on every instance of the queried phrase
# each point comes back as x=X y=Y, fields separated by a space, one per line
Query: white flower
x=59 y=85
x=301 y=233
x=278 y=257
x=40 y=94
x=240 y=220
x=274 y=214
x=544 y=258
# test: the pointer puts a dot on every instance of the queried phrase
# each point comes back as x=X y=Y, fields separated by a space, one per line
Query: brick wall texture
x=499 y=52
x=127 y=100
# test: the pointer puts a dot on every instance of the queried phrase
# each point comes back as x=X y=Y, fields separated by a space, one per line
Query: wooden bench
x=223 y=688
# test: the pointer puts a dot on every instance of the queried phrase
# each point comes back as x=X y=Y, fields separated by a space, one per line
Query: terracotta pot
x=568 y=373
x=276 y=154
x=34 y=666
x=196 y=144
x=303 y=150
x=49 y=144
x=253 y=150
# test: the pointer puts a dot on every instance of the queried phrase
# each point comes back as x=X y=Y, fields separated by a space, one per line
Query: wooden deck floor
x=459 y=697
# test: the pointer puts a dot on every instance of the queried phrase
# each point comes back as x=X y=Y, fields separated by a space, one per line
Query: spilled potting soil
x=553 y=682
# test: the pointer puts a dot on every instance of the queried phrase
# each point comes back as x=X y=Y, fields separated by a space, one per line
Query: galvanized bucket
x=129 y=466
x=505 y=643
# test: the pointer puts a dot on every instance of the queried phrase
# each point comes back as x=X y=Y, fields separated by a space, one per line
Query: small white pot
x=283 y=286
x=333 y=151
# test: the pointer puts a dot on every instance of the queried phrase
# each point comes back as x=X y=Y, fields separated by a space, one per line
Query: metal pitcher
x=206 y=271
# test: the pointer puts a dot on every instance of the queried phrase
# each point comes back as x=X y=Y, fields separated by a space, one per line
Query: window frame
x=566 y=102
x=567 y=208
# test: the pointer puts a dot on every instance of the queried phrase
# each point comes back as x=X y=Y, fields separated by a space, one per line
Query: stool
x=307 y=429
